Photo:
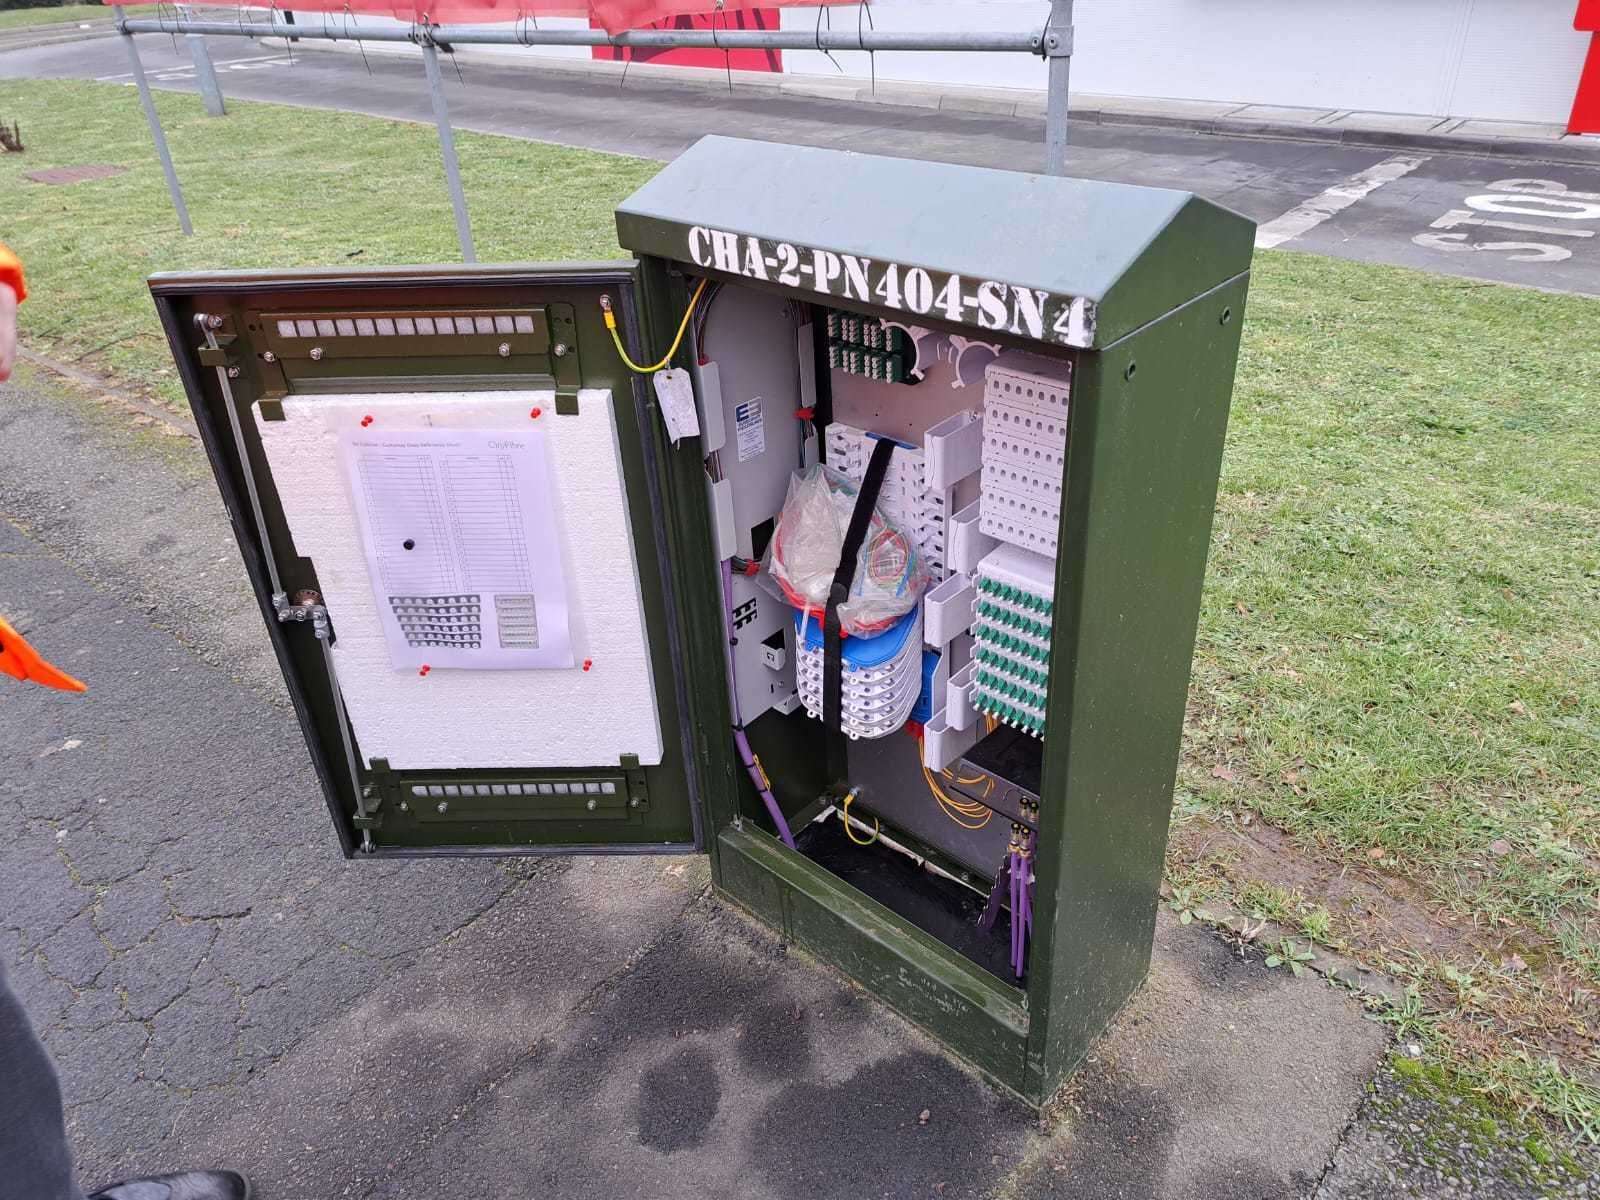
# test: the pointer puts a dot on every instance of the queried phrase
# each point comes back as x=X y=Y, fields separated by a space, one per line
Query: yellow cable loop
x=961 y=779
x=766 y=780
x=970 y=808
x=877 y=825
x=955 y=810
x=965 y=807
x=611 y=324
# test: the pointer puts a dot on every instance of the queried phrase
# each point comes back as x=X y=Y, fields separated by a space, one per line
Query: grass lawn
x=1397 y=682
x=23 y=18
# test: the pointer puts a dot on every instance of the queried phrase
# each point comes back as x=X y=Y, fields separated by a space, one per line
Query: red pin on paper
x=587 y=663
x=366 y=420
x=424 y=669
x=535 y=413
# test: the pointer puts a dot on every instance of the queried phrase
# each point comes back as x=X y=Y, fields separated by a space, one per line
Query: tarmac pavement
x=1491 y=216
x=218 y=986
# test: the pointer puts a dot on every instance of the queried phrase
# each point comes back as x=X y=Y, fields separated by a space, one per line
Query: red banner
x=1586 y=104
x=765 y=17
x=611 y=15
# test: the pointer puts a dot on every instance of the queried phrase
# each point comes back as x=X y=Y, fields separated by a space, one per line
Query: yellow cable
x=877 y=825
x=955 y=810
x=611 y=324
x=952 y=811
x=959 y=779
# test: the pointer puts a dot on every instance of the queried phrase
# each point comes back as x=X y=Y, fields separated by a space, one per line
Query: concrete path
x=219 y=986
x=1488 y=217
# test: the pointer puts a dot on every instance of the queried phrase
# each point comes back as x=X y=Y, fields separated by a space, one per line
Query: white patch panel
x=1024 y=456
x=1020 y=520
x=1020 y=479
x=904 y=498
x=1045 y=395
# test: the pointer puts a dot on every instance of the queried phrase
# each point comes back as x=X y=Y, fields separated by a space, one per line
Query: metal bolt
x=316 y=354
x=634 y=803
x=444 y=806
x=268 y=356
x=213 y=321
x=560 y=350
x=233 y=372
x=505 y=350
x=592 y=805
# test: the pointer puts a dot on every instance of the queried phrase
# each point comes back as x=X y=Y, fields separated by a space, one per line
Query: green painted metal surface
x=1145 y=438
x=961 y=1004
x=1141 y=290
x=1122 y=256
x=652 y=808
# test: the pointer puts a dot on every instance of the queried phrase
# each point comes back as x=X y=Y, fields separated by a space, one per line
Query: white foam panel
x=478 y=719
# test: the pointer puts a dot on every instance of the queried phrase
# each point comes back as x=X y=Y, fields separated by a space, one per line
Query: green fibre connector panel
x=867 y=347
x=1012 y=617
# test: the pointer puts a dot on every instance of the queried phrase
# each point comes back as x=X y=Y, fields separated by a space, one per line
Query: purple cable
x=740 y=741
x=1016 y=915
x=1022 y=909
x=1013 y=879
x=991 y=911
x=1027 y=887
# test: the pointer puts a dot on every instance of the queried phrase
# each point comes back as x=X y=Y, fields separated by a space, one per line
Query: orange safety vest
x=17 y=658
x=11 y=272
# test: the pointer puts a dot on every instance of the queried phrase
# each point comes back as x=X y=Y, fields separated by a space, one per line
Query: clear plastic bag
x=801 y=559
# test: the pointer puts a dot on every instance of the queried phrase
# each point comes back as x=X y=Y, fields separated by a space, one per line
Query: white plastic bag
x=803 y=555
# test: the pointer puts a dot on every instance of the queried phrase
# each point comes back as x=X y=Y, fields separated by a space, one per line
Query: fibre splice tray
x=519 y=614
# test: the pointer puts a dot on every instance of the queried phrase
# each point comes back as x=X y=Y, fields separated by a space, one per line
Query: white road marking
x=179 y=71
x=1303 y=218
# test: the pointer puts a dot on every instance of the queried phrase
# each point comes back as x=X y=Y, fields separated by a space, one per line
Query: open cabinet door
x=449 y=502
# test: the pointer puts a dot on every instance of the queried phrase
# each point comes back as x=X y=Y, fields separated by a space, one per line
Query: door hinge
x=307 y=606
x=564 y=365
x=638 y=790
x=369 y=803
x=369 y=814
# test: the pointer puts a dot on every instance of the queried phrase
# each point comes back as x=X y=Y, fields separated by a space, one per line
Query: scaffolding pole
x=1057 y=50
x=447 y=148
x=174 y=189
x=1054 y=43
x=656 y=39
x=205 y=75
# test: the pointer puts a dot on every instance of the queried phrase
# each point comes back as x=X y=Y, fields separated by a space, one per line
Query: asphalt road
x=218 y=986
x=1527 y=223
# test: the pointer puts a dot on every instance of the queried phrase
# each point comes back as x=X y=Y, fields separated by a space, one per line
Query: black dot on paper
x=409 y=544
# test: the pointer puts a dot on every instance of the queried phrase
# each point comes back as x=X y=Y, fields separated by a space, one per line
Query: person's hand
x=8 y=330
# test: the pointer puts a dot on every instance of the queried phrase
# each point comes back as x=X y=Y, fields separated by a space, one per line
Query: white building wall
x=1509 y=60
x=1514 y=60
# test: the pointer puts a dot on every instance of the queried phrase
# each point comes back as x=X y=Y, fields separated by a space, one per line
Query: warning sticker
x=749 y=430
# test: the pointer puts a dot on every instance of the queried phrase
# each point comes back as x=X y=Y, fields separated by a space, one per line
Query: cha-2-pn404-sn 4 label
x=988 y=304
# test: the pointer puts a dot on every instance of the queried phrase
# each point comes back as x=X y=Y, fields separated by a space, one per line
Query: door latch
x=307 y=606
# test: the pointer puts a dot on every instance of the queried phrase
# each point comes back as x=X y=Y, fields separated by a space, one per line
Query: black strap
x=838 y=593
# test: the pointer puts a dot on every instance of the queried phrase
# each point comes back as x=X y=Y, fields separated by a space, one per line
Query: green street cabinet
x=529 y=599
